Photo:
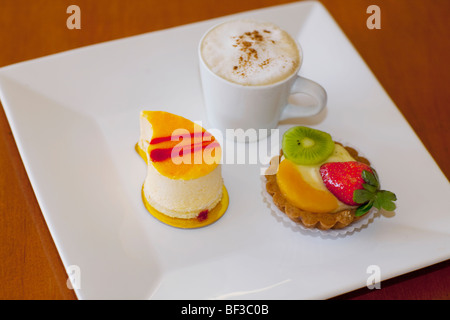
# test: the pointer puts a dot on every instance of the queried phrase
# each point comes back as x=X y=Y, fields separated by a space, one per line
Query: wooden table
x=409 y=55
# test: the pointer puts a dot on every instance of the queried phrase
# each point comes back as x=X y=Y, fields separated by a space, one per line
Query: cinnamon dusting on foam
x=248 y=52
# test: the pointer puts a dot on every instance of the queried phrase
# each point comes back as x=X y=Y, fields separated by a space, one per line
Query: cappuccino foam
x=250 y=53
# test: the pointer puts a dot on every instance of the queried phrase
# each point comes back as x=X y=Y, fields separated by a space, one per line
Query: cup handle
x=310 y=88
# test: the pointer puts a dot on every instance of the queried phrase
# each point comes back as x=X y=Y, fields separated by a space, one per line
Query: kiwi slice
x=306 y=146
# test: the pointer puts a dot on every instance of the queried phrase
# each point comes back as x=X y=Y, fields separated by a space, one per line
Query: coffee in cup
x=250 y=53
x=248 y=70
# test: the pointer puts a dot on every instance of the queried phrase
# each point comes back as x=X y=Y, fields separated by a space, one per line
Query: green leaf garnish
x=362 y=196
x=371 y=195
x=386 y=200
x=361 y=210
x=370 y=178
x=370 y=188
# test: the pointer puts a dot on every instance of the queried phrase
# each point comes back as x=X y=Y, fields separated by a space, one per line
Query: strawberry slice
x=343 y=178
x=356 y=184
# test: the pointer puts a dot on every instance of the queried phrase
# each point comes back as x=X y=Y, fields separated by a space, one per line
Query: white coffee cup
x=235 y=109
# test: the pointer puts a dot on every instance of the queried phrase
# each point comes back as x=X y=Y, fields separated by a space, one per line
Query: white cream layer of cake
x=183 y=198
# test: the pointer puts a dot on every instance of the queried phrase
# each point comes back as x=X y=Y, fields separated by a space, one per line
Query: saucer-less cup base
x=241 y=111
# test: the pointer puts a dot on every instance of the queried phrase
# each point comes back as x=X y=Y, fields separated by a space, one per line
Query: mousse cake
x=184 y=186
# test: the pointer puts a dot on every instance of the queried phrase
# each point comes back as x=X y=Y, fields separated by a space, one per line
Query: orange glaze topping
x=162 y=154
x=179 y=148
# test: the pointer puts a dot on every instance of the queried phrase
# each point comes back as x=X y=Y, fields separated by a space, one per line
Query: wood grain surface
x=409 y=56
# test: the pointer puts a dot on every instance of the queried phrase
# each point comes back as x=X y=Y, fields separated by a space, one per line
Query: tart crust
x=322 y=221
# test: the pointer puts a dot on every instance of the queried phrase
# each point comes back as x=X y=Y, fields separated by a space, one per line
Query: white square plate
x=75 y=118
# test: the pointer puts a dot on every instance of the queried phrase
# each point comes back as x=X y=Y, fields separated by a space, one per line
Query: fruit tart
x=322 y=184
